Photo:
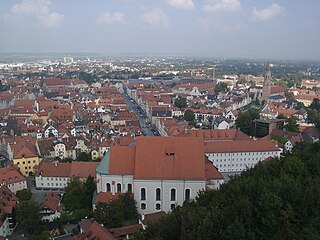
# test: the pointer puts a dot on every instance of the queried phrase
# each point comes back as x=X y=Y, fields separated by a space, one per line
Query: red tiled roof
x=169 y=158
x=121 y=160
x=277 y=89
x=106 y=197
x=241 y=146
x=127 y=230
x=211 y=171
x=24 y=150
x=10 y=175
x=51 y=201
x=50 y=169
x=96 y=232
x=218 y=135
x=83 y=169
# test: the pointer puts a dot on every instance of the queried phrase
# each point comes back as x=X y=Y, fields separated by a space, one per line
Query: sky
x=280 y=29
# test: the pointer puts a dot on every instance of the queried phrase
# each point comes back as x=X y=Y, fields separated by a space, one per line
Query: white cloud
x=182 y=4
x=34 y=12
x=221 y=27
x=221 y=5
x=155 y=17
x=267 y=13
x=110 y=18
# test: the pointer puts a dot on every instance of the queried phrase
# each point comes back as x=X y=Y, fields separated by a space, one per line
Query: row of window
x=143 y=206
x=245 y=153
x=52 y=184
x=143 y=192
x=119 y=187
x=173 y=194
x=34 y=161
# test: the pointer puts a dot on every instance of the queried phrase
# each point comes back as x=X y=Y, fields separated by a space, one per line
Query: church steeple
x=266 y=90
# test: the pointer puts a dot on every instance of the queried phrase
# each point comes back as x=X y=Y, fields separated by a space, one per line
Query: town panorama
x=111 y=142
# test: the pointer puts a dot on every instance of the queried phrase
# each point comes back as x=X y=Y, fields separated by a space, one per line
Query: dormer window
x=170 y=153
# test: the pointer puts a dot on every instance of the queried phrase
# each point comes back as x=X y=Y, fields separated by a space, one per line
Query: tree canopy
x=278 y=199
x=245 y=121
x=221 y=87
x=24 y=195
x=78 y=194
x=189 y=115
x=292 y=125
x=180 y=102
x=28 y=216
x=116 y=212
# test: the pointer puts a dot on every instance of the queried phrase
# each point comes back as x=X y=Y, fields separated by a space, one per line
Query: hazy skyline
x=224 y=28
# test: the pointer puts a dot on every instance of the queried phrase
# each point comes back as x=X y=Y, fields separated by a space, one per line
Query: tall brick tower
x=266 y=90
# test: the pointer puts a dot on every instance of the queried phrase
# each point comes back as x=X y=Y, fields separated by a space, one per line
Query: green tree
x=221 y=87
x=281 y=116
x=109 y=214
x=129 y=206
x=28 y=216
x=24 y=194
x=84 y=157
x=180 y=102
x=245 y=121
x=292 y=125
x=89 y=188
x=189 y=115
x=74 y=194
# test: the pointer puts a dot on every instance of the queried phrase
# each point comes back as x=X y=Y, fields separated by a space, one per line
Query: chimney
x=142 y=217
x=56 y=164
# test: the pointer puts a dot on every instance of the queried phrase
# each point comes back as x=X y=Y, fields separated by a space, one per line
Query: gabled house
x=221 y=123
x=50 y=207
x=8 y=202
x=12 y=179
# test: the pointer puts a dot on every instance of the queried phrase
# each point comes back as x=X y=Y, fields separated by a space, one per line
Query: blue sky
x=280 y=29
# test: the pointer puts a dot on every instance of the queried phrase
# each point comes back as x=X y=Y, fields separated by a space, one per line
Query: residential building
x=8 y=202
x=50 y=207
x=236 y=156
x=12 y=179
x=25 y=156
x=54 y=175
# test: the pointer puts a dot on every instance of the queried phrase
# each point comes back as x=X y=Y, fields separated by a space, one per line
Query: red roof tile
x=241 y=146
x=169 y=158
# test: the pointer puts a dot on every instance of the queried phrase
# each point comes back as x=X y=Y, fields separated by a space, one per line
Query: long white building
x=162 y=172
x=238 y=155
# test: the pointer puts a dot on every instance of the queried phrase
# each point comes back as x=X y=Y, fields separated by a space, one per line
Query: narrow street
x=147 y=129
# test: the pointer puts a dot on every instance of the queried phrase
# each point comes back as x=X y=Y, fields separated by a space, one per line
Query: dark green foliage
x=180 y=102
x=28 y=216
x=221 y=87
x=281 y=116
x=279 y=200
x=315 y=105
x=84 y=157
x=129 y=206
x=279 y=139
x=245 y=121
x=314 y=117
x=291 y=125
x=3 y=88
x=189 y=115
x=42 y=236
x=78 y=194
x=24 y=194
x=109 y=214
x=89 y=78
x=115 y=213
